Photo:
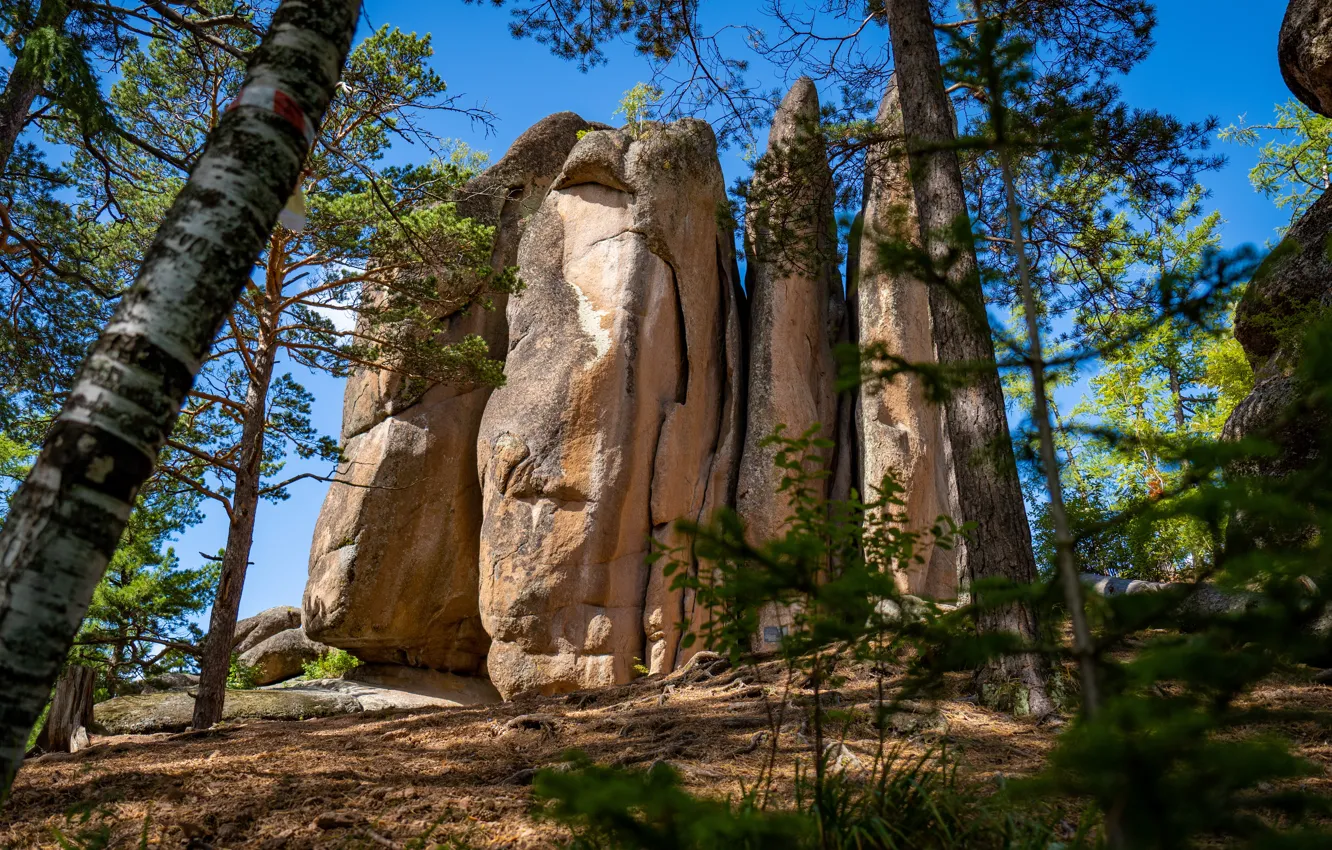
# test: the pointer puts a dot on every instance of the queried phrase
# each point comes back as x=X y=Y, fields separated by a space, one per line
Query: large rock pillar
x=798 y=311
x=618 y=412
x=393 y=565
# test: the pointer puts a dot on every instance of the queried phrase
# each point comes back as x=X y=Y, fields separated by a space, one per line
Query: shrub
x=240 y=676
x=333 y=664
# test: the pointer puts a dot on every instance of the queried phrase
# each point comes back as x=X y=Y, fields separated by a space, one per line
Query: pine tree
x=141 y=622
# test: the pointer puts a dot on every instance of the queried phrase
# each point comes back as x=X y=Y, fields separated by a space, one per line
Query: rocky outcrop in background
x=506 y=534
x=798 y=315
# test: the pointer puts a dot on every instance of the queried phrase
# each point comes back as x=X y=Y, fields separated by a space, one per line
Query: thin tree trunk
x=66 y=729
x=990 y=494
x=215 y=661
x=27 y=80
x=67 y=518
x=1177 y=395
x=1083 y=648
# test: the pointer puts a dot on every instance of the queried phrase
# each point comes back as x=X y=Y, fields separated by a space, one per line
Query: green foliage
x=241 y=676
x=333 y=664
x=141 y=622
x=907 y=803
x=383 y=258
x=1293 y=163
x=613 y=808
x=1162 y=675
x=637 y=106
x=37 y=728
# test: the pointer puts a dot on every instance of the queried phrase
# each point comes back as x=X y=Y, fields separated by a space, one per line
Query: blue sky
x=1212 y=58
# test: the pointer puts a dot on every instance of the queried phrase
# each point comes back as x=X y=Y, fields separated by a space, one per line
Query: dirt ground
x=433 y=777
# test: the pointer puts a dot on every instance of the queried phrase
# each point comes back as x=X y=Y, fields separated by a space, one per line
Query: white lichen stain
x=101 y=467
x=591 y=320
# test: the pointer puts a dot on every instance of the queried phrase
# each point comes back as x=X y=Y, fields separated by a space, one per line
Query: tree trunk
x=66 y=520
x=66 y=729
x=215 y=661
x=990 y=494
x=27 y=80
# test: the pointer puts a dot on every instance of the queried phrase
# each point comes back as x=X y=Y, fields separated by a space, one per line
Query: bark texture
x=67 y=518
x=71 y=714
x=987 y=484
x=215 y=660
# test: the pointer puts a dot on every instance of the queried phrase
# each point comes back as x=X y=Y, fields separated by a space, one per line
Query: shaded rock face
x=798 y=314
x=282 y=656
x=619 y=414
x=1291 y=287
x=254 y=630
x=393 y=566
x=900 y=433
x=1305 y=53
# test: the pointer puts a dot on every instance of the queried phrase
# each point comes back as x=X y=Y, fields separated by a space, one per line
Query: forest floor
x=435 y=776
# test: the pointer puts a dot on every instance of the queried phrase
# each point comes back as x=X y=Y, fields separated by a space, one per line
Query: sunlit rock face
x=901 y=434
x=620 y=413
x=798 y=311
x=393 y=565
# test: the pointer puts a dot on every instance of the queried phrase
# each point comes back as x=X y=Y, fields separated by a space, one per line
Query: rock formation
x=281 y=656
x=255 y=630
x=507 y=533
x=393 y=567
x=797 y=310
x=900 y=433
x=618 y=414
x=1304 y=51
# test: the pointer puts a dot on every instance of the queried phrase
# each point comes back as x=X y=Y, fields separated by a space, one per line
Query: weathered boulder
x=1293 y=285
x=798 y=311
x=1304 y=50
x=619 y=412
x=281 y=656
x=166 y=682
x=173 y=711
x=393 y=566
x=255 y=630
x=900 y=433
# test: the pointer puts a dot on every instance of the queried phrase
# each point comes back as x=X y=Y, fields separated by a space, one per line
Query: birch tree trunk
x=66 y=520
x=990 y=494
x=215 y=661
x=26 y=81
